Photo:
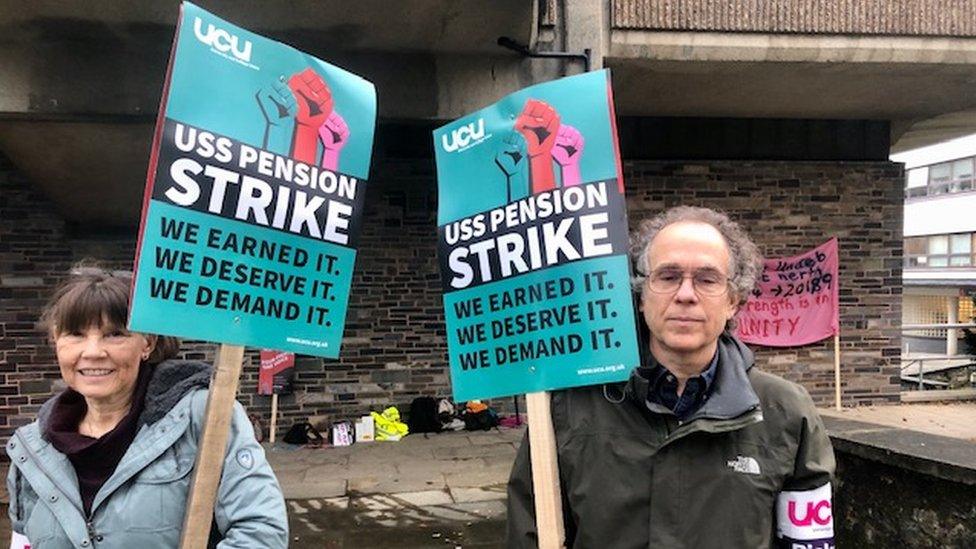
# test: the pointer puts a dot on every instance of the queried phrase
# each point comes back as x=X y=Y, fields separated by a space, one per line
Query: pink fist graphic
x=567 y=152
x=334 y=134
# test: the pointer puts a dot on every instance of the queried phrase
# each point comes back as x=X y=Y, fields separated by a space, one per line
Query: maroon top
x=94 y=459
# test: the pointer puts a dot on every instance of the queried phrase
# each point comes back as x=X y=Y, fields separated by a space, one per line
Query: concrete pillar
x=587 y=24
x=952 y=334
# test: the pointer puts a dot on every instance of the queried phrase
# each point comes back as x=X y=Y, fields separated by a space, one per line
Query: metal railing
x=967 y=361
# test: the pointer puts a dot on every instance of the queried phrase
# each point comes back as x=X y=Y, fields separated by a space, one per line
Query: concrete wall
x=901 y=488
x=394 y=347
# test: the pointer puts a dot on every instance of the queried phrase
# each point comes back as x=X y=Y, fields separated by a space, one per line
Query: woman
x=108 y=461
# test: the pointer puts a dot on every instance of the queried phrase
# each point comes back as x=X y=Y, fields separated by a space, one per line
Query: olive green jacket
x=633 y=477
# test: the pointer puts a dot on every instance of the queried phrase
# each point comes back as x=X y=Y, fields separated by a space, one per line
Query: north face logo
x=744 y=464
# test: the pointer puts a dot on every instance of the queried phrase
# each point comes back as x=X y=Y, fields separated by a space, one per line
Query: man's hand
x=334 y=134
x=512 y=161
x=567 y=153
x=538 y=124
x=314 y=105
x=277 y=105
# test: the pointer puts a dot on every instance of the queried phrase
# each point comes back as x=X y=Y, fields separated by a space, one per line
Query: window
x=916 y=184
x=916 y=251
x=956 y=176
x=943 y=250
x=962 y=176
x=960 y=250
x=938 y=250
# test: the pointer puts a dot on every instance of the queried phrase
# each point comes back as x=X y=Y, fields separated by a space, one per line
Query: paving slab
x=478 y=478
x=306 y=490
x=424 y=498
x=472 y=495
x=477 y=451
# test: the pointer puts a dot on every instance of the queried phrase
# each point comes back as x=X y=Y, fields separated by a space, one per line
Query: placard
x=532 y=242
x=254 y=194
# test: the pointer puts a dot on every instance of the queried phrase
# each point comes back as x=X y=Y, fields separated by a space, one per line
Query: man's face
x=685 y=324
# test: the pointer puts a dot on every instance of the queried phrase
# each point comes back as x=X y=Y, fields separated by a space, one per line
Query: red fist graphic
x=314 y=104
x=313 y=97
x=538 y=123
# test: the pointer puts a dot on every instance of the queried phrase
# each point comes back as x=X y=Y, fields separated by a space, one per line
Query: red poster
x=277 y=372
x=796 y=302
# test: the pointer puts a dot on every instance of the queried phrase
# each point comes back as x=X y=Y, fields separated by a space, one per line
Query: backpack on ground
x=423 y=416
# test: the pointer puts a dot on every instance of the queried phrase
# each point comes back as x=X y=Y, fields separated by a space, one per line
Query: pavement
x=425 y=491
x=436 y=490
x=947 y=419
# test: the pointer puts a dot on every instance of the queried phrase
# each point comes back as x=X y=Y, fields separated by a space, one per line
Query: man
x=698 y=449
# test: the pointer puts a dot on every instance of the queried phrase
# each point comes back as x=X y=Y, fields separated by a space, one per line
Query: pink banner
x=796 y=302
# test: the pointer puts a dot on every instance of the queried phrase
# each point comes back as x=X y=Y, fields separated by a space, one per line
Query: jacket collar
x=731 y=394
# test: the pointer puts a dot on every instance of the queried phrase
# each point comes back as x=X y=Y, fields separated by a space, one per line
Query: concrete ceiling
x=460 y=26
x=922 y=85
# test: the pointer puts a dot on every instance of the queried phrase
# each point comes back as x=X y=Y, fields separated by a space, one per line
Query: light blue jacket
x=142 y=504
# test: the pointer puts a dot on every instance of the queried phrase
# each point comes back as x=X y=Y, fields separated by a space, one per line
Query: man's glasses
x=705 y=281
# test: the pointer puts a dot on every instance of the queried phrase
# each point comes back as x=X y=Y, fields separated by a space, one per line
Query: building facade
x=940 y=243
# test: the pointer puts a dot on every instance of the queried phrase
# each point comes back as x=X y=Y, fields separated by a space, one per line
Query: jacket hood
x=171 y=380
x=731 y=394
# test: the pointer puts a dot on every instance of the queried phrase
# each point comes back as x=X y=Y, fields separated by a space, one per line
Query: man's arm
x=804 y=512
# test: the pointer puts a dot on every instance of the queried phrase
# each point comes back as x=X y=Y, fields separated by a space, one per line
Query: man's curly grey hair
x=745 y=261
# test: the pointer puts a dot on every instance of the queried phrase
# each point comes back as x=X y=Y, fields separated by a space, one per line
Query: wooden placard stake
x=545 y=472
x=213 y=444
x=274 y=418
x=837 y=370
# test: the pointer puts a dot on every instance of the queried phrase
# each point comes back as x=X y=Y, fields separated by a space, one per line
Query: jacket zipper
x=685 y=428
x=92 y=534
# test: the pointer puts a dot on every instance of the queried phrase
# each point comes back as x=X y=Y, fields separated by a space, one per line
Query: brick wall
x=394 y=347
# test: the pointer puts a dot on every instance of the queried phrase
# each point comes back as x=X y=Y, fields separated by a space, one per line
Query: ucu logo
x=463 y=136
x=816 y=512
x=221 y=40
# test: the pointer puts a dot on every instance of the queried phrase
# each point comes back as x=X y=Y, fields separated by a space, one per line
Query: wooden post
x=213 y=444
x=545 y=472
x=837 y=370
x=274 y=418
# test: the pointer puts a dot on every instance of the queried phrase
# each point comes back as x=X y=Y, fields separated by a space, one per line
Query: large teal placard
x=254 y=194
x=532 y=241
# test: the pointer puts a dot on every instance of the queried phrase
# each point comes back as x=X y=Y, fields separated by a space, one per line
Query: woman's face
x=102 y=362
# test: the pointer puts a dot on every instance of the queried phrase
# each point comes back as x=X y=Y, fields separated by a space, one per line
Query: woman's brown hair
x=93 y=296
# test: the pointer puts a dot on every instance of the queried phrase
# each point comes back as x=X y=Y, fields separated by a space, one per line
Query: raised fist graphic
x=314 y=105
x=512 y=160
x=334 y=134
x=277 y=106
x=538 y=124
x=567 y=152
x=313 y=96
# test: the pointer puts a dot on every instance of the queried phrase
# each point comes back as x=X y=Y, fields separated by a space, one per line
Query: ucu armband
x=19 y=541
x=805 y=519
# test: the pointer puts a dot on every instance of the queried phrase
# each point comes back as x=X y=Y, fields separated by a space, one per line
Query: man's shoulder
x=776 y=393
